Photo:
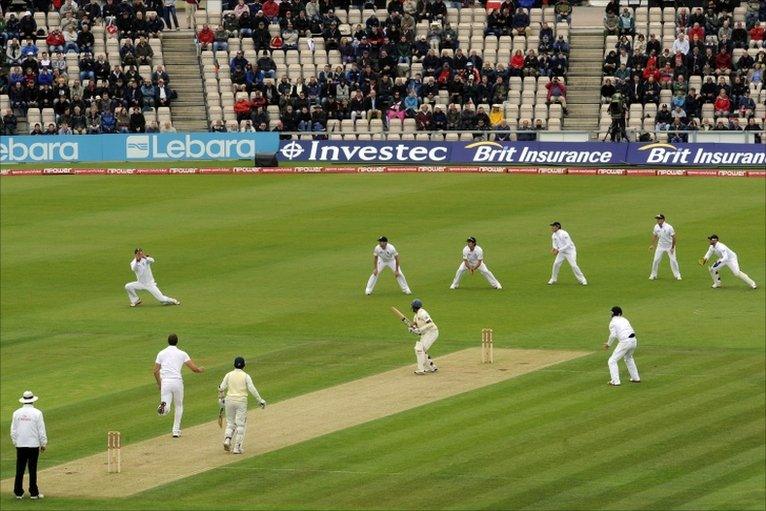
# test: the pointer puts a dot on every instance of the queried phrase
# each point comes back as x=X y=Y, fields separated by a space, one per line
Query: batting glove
x=262 y=404
x=702 y=261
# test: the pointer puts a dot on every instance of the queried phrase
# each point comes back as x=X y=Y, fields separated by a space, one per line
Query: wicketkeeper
x=232 y=396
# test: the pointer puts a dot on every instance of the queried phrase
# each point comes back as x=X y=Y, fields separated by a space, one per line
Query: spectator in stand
x=607 y=91
x=681 y=44
x=169 y=14
x=526 y=132
x=85 y=39
x=627 y=22
x=739 y=36
x=557 y=93
x=164 y=94
x=722 y=104
x=757 y=35
x=9 y=123
x=723 y=63
x=611 y=24
x=752 y=125
x=516 y=66
x=563 y=10
x=221 y=42
x=168 y=128
x=755 y=75
x=423 y=118
x=206 y=37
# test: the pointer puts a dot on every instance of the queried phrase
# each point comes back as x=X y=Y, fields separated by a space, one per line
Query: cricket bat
x=401 y=316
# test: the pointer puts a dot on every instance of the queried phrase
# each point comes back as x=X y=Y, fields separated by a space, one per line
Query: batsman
x=232 y=396
x=422 y=325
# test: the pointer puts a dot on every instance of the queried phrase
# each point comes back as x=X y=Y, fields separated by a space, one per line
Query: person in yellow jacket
x=232 y=394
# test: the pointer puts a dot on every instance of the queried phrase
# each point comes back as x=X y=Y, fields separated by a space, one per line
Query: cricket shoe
x=421 y=373
x=453 y=287
x=173 y=301
x=136 y=304
x=161 y=408
x=236 y=451
x=652 y=277
x=408 y=292
x=754 y=286
x=612 y=384
x=551 y=282
x=19 y=497
x=176 y=435
x=716 y=286
x=678 y=277
x=584 y=283
x=499 y=287
x=635 y=381
x=227 y=444
x=38 y=496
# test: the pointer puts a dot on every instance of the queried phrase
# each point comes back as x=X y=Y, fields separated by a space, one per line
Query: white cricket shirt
x=171 y=360
x=237 y=384
x=473 y=256
x=28 y=427
x=385 y=255
x=423 y=320
x=619 y=330
x=664 y=235
x=143 y=270
x=562 y=242
x=723 y=252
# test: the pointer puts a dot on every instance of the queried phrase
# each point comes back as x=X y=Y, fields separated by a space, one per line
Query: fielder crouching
x=423 y=326
x=232 y=394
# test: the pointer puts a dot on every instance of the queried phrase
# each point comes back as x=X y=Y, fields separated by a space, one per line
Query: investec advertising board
x=137 y=147
x=522 y=153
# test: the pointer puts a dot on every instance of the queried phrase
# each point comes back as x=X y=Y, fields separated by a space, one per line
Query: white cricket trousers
x=132 y=287
x=673 y=261
x=236 y=422
x=172 y=391
x=427 y=339
x=733 y=265
x=482 y=269
x=571 y=258
x=624 y=350
x=400 y=279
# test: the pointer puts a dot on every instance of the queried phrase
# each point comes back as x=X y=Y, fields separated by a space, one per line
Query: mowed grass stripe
x=745 y=493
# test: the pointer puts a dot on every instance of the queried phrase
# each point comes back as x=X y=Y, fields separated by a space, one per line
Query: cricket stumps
x=487 y=346
x=113 y=452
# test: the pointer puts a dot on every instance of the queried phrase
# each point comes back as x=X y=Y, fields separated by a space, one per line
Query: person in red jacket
x=206 y=37
x=517 y=64
x=757 y=33
x=242 y=109
x=55 y=41
x=722 y=104
x=557 y=93
x=723 y=62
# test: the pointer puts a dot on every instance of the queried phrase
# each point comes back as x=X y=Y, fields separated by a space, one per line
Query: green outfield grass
x=273 y=268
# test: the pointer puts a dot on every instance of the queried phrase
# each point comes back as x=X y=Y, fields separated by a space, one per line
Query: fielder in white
x=563 y=248
x=384 y=255
x=232 y=394
x=423 y=326
x=473 y=259
x=664 y=239
x=141 y=266
x=621 y=331
x=167 y=372
x=726 y=257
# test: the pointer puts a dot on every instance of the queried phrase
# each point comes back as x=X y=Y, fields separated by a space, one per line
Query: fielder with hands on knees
x=726 y=257
x=621 y=331
x=167 y=372
x=232 y=395
x=141 y=266
x=423 y=326
x=664 y=239
x=384 y=255
x=473 y=259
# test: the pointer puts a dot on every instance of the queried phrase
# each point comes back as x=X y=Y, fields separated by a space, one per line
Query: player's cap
x=136 y=251
x=416 y=304
x=713 y=237
x=471 y=239
x=382 y=238
x=659 y=216
x=556 y=224
x=239 y=362
x=616 y=311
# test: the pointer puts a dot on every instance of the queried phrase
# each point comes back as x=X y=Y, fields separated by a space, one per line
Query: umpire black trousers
x=26 y=457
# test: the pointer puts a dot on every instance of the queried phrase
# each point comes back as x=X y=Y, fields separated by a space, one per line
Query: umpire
x=29 y=438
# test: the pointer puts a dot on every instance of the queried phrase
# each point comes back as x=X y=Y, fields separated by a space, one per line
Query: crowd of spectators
x=61 y=68
x=705 y=44
x=375 y=80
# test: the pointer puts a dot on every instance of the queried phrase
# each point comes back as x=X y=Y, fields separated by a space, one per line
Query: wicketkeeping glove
x=702 y=261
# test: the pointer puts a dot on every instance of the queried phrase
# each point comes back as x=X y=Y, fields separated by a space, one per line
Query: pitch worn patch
x=162 y=460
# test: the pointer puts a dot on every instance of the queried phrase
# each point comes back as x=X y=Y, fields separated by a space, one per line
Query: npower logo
x=141 y=147
x=20 y=152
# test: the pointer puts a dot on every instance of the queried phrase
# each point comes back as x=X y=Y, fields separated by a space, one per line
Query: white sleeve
x=465 y=252
x=150 y=260
x=612 y=334
x=133 y=264
x=41 y=433
x=14 y=433
x=252 y=388
x=224 y=383
x=710 y=252
x=567 y=242
x=672 y=231
x=158 y=360
x=479 y=254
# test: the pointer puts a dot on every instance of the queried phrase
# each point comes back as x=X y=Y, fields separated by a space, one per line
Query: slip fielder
x=726 y=257
x=473 y=259
x=384 y=255
x=564 y=248
x=141 y=266
x=664 y=239
x=621 y=331
x=232 y=394
x=423 y=326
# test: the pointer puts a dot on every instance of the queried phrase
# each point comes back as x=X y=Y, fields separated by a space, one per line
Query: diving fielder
x=384 y=255
x=141 y=266
x=563 y=248
x=423 y=326
x=621 y=331
x=167 y=372
x=665 y=242
x=473 y=259
x=232 y=394
x=726 y=257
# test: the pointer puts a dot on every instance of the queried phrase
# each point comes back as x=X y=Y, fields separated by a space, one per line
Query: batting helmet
x=416 y=304
x=239 y=362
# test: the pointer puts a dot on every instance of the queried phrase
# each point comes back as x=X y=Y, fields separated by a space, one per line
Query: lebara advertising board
x=137 y=147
